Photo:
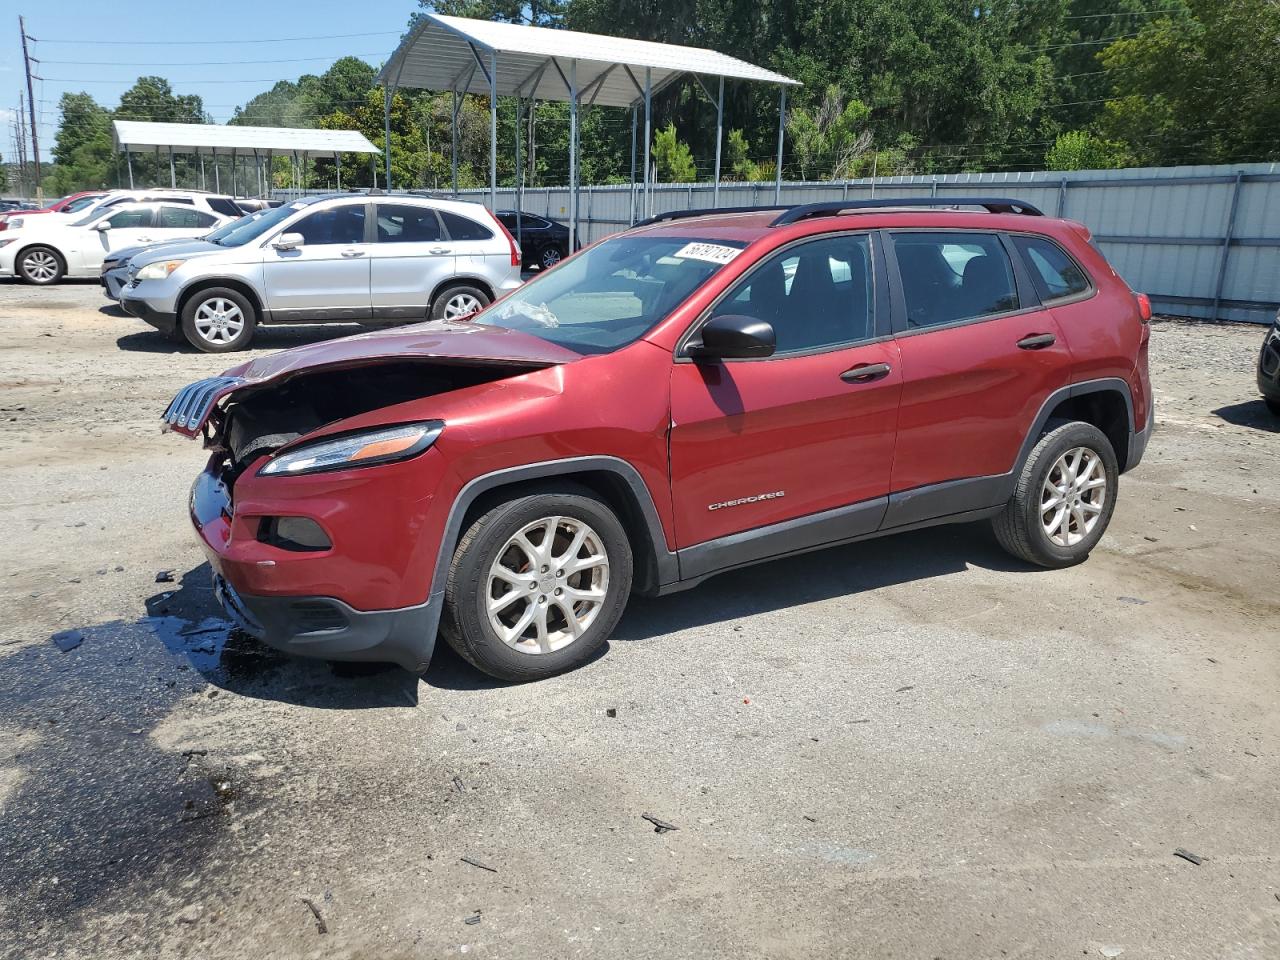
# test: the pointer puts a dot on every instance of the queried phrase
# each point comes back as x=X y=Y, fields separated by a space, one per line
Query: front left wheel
x=41 y=266
x=537 y=584
x=218 y=320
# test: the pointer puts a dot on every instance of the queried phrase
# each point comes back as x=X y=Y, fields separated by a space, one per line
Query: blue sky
x=150 y=37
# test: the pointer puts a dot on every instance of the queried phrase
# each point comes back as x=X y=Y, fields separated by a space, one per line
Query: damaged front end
x=322 y=537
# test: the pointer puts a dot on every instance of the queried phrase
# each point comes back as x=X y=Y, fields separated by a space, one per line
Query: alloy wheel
x=219 y=320
x=1073 y=496
x=550 y=257
x=547 y=585
x=40 y=266
x=461 y=305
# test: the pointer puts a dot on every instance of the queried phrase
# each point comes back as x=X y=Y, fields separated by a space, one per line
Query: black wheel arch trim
x=231 y=283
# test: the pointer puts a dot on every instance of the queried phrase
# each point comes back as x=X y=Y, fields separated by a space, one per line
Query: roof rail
x=833 y=207
x=706 y=212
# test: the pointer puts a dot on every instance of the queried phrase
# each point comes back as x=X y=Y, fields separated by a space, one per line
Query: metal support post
x=648 y=128
x=386 y=129
x=173 y=177
x=715 y=193
x=573 y=155
x=782 y=126
x=519 y=177
x=128 y=159
x=634 y=116
x=454 y=155
x=1226 y=245
x=493 y=130
x=337 y=164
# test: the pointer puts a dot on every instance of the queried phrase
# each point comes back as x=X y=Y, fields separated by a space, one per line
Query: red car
x=71 y=204
x=697 y=394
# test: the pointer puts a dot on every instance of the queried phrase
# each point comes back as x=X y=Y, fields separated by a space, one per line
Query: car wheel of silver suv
x=218 y=320
x=537 y=584
x=1064 y=497
x=458 y=302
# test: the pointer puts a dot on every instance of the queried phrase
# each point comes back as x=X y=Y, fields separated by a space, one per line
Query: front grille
x=188 y=410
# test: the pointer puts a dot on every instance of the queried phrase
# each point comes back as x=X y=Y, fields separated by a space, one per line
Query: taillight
x=1144 y=306
x=511 y=241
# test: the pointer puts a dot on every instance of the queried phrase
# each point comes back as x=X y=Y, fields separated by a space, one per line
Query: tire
x=549 y=256
x=545 y=645
x=1272 y=404
x=1022 y=529
x=205 y=309
x=41 y=266
x=457 y=301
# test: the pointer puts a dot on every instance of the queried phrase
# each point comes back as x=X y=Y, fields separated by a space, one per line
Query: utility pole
x=31 y=103
x=20 y=138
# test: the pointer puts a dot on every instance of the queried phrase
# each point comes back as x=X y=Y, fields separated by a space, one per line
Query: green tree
x=1081 y=150
x=828 y=140
x=672 y=157
x=1198 y=87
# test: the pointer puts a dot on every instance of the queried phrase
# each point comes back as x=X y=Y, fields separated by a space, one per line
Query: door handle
x=352 y=253
x=866 y=372
x=1037 y=341
x=439 y=250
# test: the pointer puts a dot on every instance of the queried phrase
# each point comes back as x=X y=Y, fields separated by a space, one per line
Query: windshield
x=239 y=232
x=75 y=206
x=613 y=293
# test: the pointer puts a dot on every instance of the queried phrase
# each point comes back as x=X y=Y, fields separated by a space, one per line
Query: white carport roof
x=445 y=53
x=229 y=140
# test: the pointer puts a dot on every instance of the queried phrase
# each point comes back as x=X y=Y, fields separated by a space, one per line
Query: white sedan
x=44 y=250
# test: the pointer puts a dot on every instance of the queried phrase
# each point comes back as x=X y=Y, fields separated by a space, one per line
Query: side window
x=225 y=206
x=131 y=219
x=1055 y=274
x=406 y=223
x=334 y=225
x=818 y=294
x=947 y=277
x=464 y=228
x=185 y=218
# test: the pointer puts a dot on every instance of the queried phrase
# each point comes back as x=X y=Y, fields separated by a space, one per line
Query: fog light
x=293 y=533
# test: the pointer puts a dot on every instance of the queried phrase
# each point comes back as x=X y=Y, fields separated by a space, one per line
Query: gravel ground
x=914 y=747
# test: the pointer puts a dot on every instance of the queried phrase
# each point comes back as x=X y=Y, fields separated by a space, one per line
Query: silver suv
x=349 y=258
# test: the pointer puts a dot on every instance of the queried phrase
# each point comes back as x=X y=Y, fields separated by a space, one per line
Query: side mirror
x=288 y=241
x=732 y=337
x=102 y=226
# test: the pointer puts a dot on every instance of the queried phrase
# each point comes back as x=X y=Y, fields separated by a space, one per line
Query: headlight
x=159 y=270
x=363 y=449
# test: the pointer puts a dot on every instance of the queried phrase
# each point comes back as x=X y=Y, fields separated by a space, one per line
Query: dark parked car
x=694 y=395
x=1269 y=368
x=543 y=242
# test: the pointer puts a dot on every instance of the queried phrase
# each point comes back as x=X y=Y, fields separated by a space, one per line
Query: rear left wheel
x=537 y=584
x=549 y=256
x=459 y=302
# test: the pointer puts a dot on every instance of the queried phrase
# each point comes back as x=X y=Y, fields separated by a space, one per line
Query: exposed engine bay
x=258 y=420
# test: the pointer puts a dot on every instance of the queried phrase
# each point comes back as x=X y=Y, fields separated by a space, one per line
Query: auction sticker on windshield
x=712 y=252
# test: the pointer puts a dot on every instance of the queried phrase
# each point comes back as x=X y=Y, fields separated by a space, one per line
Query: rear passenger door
x=408 y=260
x=980 y=355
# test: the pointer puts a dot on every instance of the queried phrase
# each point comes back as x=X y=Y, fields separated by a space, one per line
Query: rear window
x=613 y=293
x=464 y=228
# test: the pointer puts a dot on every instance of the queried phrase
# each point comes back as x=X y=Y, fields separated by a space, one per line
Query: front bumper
x=113 y=282
x=166 y=321
x=353 y=601
x=1269 y=365
x=328 y=629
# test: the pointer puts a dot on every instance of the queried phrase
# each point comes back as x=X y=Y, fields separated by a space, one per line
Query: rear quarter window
x=464 y=228
x=1054 y=272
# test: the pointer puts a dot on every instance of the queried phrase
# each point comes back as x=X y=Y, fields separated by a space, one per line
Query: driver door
x=797 y=436
x=131 y=227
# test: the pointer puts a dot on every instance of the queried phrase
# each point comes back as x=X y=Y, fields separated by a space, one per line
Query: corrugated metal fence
x=1203 y=241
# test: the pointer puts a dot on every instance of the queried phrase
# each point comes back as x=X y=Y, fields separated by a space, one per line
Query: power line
x=199 y=63
x=236 y=41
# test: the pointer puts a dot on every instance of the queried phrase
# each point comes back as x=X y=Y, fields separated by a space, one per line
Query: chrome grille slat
x=192 y=404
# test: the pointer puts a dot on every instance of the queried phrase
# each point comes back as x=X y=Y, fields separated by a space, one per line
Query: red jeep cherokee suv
x=705 y=391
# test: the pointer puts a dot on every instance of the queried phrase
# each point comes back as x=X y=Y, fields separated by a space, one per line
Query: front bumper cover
x=327 y=628
x=162 y=320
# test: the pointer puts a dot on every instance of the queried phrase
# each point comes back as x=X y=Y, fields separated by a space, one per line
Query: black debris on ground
x=67 y=640
x=321 y=926
x=164 y=576
x=477 y=863
x=1188 y=856
x=659 y=826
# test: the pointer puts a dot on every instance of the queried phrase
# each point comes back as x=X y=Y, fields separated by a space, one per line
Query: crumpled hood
x=443 y=341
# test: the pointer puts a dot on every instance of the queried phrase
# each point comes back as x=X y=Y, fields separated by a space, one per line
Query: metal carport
x=221 y=140
x=539 y=63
